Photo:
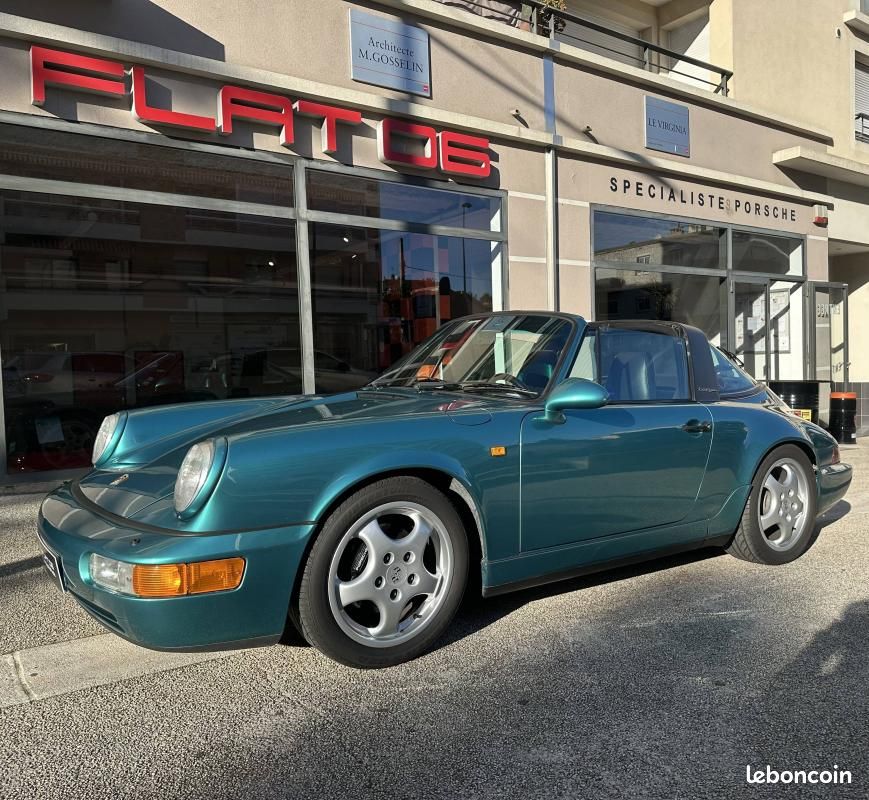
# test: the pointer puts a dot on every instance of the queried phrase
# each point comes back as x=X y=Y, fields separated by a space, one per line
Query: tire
x=385 y=575
x=779 y=517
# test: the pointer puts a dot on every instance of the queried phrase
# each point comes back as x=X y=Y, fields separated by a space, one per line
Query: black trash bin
x=843 y=414
x=801 y=396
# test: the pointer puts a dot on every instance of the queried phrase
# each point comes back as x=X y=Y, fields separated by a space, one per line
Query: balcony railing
x=861 y=126
x=573 y=29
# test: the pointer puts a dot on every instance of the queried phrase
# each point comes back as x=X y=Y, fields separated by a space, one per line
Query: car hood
x=145 y=468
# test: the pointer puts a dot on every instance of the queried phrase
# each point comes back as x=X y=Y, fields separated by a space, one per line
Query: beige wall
x=854 y=270
x=792 y=62
x=614 y=110
x=593 y=182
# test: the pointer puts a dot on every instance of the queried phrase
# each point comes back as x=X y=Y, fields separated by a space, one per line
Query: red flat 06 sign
x=399 y=142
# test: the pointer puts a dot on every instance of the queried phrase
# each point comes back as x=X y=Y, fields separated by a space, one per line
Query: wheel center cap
x=395 y=574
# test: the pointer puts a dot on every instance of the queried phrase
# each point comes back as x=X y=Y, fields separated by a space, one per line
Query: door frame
x=760 y=280
x=811 y=314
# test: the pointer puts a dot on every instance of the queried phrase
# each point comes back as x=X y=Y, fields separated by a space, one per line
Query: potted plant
x=548 y=21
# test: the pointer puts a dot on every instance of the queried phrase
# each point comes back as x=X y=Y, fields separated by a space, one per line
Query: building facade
x=208 y=205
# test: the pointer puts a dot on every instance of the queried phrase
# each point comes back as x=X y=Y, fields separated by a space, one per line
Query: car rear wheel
x=779 y=517
x=385 y=576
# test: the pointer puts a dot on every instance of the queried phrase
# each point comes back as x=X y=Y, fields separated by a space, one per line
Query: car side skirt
x=591 y=555
x=603 y=566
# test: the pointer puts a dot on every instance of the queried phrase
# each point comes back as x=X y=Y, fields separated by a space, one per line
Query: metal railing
x=861 y=126
x=573 y=29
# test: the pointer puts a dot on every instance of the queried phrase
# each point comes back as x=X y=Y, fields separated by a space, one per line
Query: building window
x=861 y=101
x=394 y=200
x=59 y=156
x=628 y=238
x=763 y=252
x=111 y=305
x=378 y=289
x=632 y=294
x=379 y=293
x=686 y=279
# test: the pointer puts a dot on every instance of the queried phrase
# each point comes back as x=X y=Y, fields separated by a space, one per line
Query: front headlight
x=166 y=580
x=198 y=475
x=111 y=574
x=108 y=437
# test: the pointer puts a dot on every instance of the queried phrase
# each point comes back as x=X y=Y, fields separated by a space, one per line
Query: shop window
x=629 y=239
x=764 y=252
x=696 y=300
x=394 y=200
x=378 y=293
x=59 y=156
x=111 y=305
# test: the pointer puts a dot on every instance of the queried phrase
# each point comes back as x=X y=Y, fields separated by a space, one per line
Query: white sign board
x=389 y=53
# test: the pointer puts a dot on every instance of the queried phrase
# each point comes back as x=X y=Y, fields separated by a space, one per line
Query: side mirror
x=574 y=393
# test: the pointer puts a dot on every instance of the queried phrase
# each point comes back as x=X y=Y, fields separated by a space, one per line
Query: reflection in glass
x=111 y=305
x=504 y=352
x=751 y=327
x=830 y=333
x=762 y=252
x=351 y=194
x=61 y=156
x=629 y=239
x=696 y=300
x=787 y=354
x=377 y=294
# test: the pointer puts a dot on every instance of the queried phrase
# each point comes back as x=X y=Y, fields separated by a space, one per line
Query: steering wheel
x=510 y=380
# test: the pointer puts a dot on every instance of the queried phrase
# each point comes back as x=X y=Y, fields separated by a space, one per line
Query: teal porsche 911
x=523 y=446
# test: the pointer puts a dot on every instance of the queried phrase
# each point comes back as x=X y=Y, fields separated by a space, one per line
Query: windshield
x=517 y=351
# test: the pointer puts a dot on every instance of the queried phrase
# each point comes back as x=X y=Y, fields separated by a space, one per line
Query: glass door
x=751 y=340
x=829 y=352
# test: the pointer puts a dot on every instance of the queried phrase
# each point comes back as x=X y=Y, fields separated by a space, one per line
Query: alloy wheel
x=390 y=574
x=783 y=500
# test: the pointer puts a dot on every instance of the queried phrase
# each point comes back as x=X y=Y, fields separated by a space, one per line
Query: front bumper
x=254 y=613
x=833 y=482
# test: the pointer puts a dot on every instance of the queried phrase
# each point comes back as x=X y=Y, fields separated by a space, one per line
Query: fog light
x=166 y=580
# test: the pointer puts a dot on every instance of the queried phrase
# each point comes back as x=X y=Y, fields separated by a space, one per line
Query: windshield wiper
x=504 y=387
x=434 y=384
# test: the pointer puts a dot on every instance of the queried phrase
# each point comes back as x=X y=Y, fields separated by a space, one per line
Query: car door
x=637 y=462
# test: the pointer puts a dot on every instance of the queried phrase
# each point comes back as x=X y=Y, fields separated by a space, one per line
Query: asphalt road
x=658 y=682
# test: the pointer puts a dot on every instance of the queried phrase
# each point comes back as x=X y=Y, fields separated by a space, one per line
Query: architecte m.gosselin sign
x=388 y=53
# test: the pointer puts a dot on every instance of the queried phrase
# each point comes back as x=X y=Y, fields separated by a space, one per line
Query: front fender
x=395 y=461
x=150 y=433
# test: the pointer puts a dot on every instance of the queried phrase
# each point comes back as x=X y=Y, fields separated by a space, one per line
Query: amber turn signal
x=175 y=580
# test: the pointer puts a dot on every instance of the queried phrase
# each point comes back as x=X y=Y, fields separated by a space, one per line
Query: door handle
x=696 y=426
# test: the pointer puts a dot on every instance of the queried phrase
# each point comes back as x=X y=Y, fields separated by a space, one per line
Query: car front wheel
x=385 y=575
x=779 y=517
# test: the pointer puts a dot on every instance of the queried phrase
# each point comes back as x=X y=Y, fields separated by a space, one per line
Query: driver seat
x=631 y=377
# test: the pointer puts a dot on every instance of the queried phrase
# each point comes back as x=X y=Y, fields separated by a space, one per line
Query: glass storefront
x=118 y=292
x=744 y=288
x=110 y=305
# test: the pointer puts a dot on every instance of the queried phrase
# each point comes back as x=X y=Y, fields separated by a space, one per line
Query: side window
x=585 y=365
x=634 y=366
x=731 y=379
